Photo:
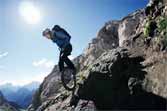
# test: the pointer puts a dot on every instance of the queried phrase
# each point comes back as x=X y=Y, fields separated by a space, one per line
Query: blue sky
x=26 y=56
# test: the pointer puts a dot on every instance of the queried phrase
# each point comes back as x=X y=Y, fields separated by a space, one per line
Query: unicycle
x=68 y=78
x=68 y=74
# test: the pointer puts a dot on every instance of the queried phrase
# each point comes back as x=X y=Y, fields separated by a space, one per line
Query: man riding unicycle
x=59 y=36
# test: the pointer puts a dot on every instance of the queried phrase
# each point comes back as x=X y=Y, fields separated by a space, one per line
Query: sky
x=26 y=56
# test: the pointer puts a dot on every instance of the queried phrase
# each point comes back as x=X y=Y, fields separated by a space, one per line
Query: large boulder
x=115 y=82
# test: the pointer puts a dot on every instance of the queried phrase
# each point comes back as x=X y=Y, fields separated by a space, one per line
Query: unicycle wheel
x=68 y=78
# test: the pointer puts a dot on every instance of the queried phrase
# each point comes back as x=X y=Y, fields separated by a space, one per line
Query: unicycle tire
x=73 y=82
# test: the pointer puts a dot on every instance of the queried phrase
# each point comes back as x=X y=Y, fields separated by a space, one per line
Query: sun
x=29 y=12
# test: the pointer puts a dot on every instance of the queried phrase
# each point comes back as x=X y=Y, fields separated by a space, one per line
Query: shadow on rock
x=115 y=82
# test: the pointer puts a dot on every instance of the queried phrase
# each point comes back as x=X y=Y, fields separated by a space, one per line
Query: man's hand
x=60 y=49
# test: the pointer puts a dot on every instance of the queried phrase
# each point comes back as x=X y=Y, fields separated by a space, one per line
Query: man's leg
x=68 y=61
x=61 y=62
x=66 y=52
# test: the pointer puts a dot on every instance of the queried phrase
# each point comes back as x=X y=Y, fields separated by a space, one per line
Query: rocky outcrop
x=51 y=84
x=107 y=39
x=4 y=105
x=111 y=77
x=130 y=27
x=116 y=82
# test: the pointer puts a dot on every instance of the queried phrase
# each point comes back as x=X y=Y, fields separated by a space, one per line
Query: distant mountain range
x=19 y=95
x=5 y=105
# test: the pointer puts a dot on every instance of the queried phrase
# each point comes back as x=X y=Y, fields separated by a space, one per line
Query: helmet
x=46 y=31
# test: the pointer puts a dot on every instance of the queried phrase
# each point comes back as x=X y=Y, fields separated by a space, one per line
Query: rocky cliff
x=4 y=105
x=124 y=67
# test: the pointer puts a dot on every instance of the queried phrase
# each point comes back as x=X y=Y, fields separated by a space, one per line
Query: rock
x=115 y=82
x=85 y=106
x=107 y=38
x=165 y=10
x=129 y=25
x=51 y=84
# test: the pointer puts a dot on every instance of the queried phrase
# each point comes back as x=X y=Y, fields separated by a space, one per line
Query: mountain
x=21 y=96
x=4 y=105
x=32 y=86
x=123 y=68
x=10 y=86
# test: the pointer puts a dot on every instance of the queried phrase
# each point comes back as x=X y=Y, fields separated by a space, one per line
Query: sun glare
x=29 y=12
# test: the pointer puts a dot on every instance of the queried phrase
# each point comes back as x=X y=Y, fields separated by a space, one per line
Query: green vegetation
x=147 y=29
x=162 y=25
x=150 y=28
x=80 y=78
x=162 y=28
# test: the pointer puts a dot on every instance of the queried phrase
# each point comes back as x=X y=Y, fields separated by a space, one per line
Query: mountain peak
x=32 y=86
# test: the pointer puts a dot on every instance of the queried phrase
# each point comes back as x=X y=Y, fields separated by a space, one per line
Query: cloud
x=44 y=63
x=3 y=54
x=22 y=78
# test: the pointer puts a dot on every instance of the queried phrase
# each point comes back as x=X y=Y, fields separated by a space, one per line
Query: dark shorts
x=67 y=50
x=64 y=53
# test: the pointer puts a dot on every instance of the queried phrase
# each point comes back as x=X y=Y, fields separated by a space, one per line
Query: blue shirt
x=60 y=38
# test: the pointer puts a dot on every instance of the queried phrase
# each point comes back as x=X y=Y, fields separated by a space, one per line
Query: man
x=59 y=36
